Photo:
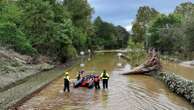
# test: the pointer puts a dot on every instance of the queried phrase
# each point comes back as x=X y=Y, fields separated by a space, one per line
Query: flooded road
x=134 y=92
x=185 y=72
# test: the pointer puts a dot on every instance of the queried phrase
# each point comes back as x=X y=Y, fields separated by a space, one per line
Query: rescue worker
x=104 y=76
x=66 y=82
x=97 y=82
x=78 y=76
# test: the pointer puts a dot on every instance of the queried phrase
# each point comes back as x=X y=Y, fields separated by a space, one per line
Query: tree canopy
x=55 y=28
x=108 y=36
x=171 y=34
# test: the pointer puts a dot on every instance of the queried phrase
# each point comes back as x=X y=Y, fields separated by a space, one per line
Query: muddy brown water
x=186 y=72
x=134 y=92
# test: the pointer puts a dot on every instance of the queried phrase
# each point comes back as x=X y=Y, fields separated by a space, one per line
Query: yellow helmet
x=66 y=73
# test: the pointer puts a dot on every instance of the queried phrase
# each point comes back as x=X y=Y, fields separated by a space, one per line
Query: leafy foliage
x=171 y=34
x=55 y=28
x=10 y=35
x=136 y=52
x=144 y=16
x=14 y=38
x=108 y=36
x=162 y=32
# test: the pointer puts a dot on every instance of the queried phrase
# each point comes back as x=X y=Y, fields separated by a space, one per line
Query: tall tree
x=123 y=37
x=185 y=9
x=144 y=15
x=48 y=27
x=80 y=14
x=162 y=32
x=108 y=36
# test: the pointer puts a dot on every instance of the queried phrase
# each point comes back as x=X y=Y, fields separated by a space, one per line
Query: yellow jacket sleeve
x=101 y=75
x=107 y=74
x=68 y=78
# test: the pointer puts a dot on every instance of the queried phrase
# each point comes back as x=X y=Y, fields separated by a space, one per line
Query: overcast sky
x=123 y=12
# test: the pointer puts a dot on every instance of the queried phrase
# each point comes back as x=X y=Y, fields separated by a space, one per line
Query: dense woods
x=55 y=28
x=170 y=34
x=61 y=29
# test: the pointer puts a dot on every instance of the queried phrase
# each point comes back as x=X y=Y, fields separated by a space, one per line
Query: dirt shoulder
x=20 y=78
x=15 y=68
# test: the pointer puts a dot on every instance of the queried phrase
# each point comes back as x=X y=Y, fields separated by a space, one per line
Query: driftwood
x=152 y=64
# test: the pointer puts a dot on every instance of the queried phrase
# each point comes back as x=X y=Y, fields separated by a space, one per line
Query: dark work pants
x=66 y=85
x=97 y=85
x=105 y=83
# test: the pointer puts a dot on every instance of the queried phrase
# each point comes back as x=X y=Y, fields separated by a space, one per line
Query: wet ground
x=134 y=92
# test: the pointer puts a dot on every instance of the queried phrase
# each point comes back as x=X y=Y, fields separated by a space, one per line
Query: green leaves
x=171 y=34
x=144 y=16
x=162 y=32
x=13 y=38
x=186 y=10
x=10 y=34
x=108 y=36
x=56 y=28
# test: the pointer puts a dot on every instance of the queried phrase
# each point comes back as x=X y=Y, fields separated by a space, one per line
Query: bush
x=67 y=52
x=13 y=38
x=71 y=52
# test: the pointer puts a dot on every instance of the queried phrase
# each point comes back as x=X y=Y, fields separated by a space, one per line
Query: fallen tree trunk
x=152 y=64
x=139 y=70
x=175 y=83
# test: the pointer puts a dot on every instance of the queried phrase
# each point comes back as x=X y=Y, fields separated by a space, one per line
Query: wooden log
x=152 y=64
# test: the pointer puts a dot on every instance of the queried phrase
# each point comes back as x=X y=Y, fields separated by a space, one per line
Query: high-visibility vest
x=104 y=75
x=66 y=77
